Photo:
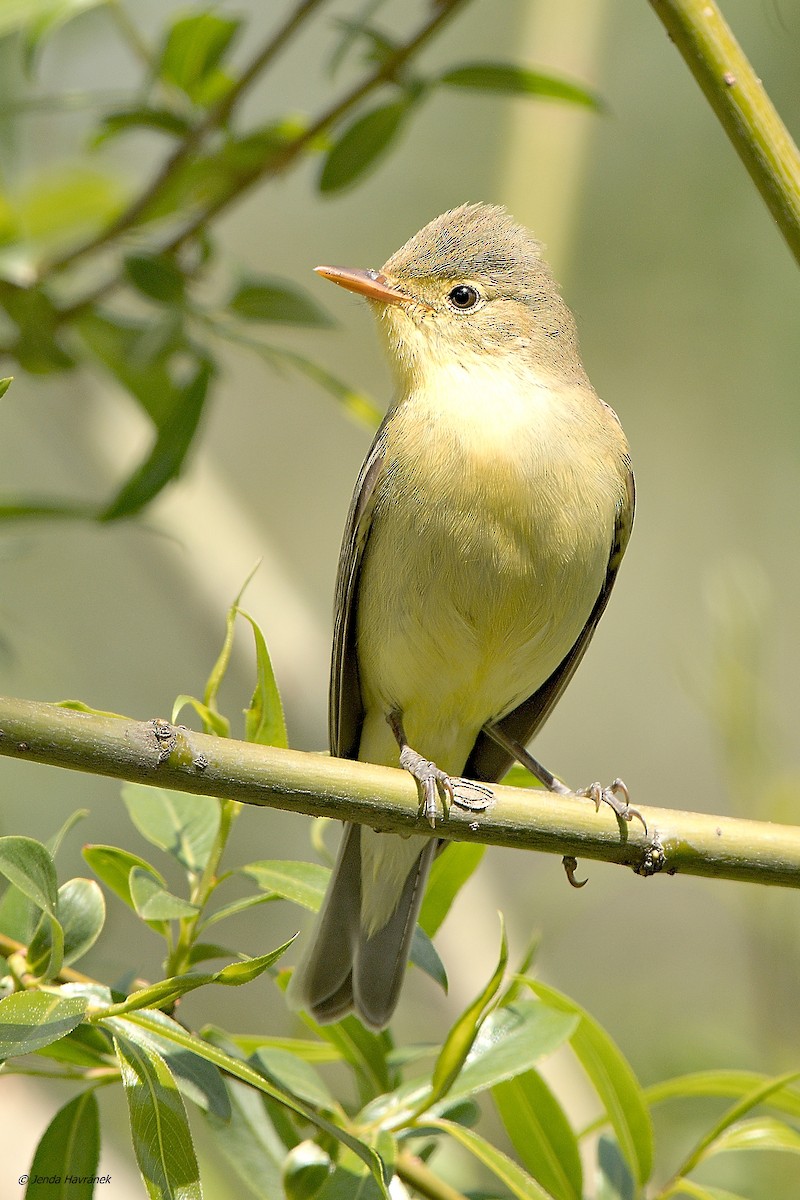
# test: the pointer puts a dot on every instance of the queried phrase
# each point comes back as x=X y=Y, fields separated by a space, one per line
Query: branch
x=744 y=109
x=156 y=752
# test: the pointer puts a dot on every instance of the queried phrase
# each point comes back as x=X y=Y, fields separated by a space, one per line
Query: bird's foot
x=435 y=783
x=617 y=797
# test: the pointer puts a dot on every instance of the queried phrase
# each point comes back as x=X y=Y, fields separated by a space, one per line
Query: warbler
x=482 y=543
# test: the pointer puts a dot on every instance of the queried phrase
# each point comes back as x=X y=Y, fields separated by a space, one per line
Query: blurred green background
x=687 y=303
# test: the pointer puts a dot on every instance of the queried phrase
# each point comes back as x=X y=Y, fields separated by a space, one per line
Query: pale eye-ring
x=463 y=297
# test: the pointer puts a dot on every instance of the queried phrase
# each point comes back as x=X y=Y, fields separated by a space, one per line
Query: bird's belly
x=466 y=606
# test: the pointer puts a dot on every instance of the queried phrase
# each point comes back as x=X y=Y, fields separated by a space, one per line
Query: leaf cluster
x=128 y=281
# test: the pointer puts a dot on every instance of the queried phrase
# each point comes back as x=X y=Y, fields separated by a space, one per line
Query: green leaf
x=54 y=843
x=366 y=1052
x=113 y=866
x=464 y=1032
x=615 y=1179
x=168 y=990
x=126 y=349
x=249 y=1141
x=162 y=120
x=450 y=871
x=213 y=723
x=236 y=906
x=425 y=956
x=722 y=1083
x=156 y=276
x=70 y=1146
x=85 y=1046
x=184 y=826
x=541 y=1134
x=614 y=1081
x=511 y=80
x=166 y=458
x=37 y=348
x=161 y=1137
x=197 y=1079
x=257 y=299
x=518 y=1182
x=29 y=866
x=153 y=902
x=733 y=1115
x=67 y=203
x=759 y=1133
x=81 y=915
x=243 y=1071
x=510 y=1041
x=30 y=1020
x=5 y=384
x=194 y=47
x=264 y=720
x=305 y=1170
x=362 y=145
x=303 y=883
x=294 y=1074
x=358 y=405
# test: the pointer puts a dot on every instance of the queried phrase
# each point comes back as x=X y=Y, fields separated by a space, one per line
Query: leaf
x=511 y=80
x=30 y=1020
x=463 y=1033
x=197 y=1079
x=184 y=826
x=29 y=866
x=240 y=1070
x=54 y=843
x=236 y=906
x=759 y=1133
x=153 y=902
x=37 y=348
x=264 y=720
x=43 y=18
x=66 y=203
x=213 y=723
x=722 y=1083
x=365 y=1051
x=614 y=1081
x=70 y=1146
x=156 y=276
x=166 y=458
x=616 y=1181
x=425 y=956
x=249 y=1142
x=707 y=1143
x=362 y=145
x=518 y=1182
x=541 y=1134
x=294 y=1074
x=81 y=915
x=168 y=990
x=305 y=1170
x=267 y=299
x=193 y=49
x=449 y=873
x=160 y=1131
x=162 y=120
x=303 y=883
x=5 y=384
x=124 y=347
x=113 y=866
x=356 y=404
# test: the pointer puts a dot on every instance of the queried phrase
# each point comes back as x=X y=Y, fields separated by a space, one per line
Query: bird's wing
x=345 y=709
x=487 y=760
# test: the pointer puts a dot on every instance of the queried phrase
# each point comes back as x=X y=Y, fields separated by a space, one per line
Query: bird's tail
x=346 y=968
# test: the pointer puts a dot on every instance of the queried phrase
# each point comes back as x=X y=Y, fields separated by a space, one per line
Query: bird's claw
x=617 y=797
x=435 y=783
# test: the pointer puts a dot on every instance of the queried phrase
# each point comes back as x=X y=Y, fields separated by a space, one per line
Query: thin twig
x=214 y=119
x=271 y=166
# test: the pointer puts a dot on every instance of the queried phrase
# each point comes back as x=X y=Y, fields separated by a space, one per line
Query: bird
x=484 y=536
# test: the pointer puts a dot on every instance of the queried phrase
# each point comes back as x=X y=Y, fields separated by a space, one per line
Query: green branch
x=155 y=752
x=744 y=109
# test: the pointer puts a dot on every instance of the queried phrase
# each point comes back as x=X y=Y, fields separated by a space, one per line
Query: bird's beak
x=371 y=284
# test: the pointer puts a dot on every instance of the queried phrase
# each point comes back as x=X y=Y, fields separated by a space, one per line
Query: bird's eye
x=463 y=297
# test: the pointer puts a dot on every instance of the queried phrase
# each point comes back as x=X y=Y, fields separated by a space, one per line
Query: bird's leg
x=616 y=795
x=433 y=781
